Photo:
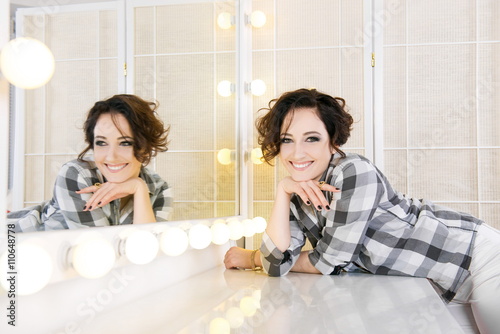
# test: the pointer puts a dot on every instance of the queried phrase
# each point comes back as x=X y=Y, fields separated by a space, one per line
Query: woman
x=113 y=187
x=354 y=219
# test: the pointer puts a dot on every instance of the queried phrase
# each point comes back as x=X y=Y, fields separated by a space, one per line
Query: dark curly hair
x=331 y=110
x=149 y=132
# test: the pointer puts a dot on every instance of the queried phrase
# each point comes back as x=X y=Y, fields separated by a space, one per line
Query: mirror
x=173 y=53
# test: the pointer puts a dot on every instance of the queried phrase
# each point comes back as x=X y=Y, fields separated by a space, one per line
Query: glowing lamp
x=33 y=267
x=225 y=20
x=93 y=258
x=200 y=236
x=235 y=229
x=141 y=247
x=219 y=326
x=258 y=19
x=248 y=227
x=256 y=156
x=258 y=87
x=260 y=224
x=225 y=88
x=27 y=63
x=225 y=156
x=174 y=241
x=220 y=233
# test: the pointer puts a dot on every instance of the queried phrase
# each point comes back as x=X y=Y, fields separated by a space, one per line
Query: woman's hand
x=311 y=192
x=107 y=192
x=237 y=257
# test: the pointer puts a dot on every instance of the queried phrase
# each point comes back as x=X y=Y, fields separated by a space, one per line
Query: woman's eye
x=100 y=143
x=312 y=139
x=127 y=143
x=286 y=140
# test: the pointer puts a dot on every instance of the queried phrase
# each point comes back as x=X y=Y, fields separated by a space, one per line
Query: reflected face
x=113 y=149
x=305 y=149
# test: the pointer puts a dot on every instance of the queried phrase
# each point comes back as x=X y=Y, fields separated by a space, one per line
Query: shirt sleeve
x=346 y=224
x=275 y=262
x=163 y=204
x=66 y=209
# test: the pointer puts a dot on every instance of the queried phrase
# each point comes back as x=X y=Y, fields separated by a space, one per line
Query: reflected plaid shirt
x=65 y=210
x=372 y=228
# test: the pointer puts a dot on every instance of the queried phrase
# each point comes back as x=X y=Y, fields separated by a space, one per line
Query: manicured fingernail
x=320 y=207
x=99 y=203
x=337 y=188
x=84 y=208
x=90 y=208
x=328 y=207
x=308 y=203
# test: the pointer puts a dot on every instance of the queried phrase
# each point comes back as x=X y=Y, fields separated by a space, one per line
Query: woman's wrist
x=253 y=263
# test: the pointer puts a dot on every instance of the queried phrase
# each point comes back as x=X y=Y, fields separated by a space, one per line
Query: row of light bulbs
x=94 y=256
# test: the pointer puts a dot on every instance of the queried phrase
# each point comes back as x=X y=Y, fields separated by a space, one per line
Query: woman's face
x=113 y=150
x=305 y=149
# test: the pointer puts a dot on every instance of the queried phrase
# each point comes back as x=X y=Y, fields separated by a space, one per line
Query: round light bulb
x=248 y=227
x=200 y=236
x=174 y=241
x=260 y=224
x=258 y=19
x=235 y=317
x=224 y=156
x=219 y=326
x=256 y=156
x=225 y=88
x=258 y=87
x=141 y=247
x=235 y=229
x=248 y=306
x=27 y=63
x=225 y=20
x=33 y=266
x=220 y=233
x=93 y=258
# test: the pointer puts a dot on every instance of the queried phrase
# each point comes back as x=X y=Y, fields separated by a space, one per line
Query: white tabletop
x=238 y=301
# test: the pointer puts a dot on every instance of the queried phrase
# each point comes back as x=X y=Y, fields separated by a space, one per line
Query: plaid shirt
x=65 y=210
x=375 y=229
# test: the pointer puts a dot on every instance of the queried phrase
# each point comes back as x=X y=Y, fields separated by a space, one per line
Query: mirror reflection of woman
x=111 y=186
x=356 y=221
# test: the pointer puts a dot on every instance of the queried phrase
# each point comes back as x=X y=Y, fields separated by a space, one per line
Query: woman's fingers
x=312 y=193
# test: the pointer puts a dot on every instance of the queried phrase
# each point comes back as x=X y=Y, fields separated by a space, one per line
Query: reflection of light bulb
x=219 y=326
x=200 y=236
x=248 y=227
x=225 y=88
x=225 y=20
x=225 y=156
x=258 y=19
x=260 y=224
x=235 y=317
x=235 y=229
x=174 y=241
x=258 y=87
x=34 y=268
x=27 y=63
x=220 y=233
x=93 y=258
x=141 y=247
x=248 y=306
x=256 y=156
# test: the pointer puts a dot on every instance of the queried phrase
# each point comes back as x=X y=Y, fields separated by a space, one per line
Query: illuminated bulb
x=256 y=156
x=200 y=236
x=248 y=227
x=93 y=258
x=225 y=156
x=235 y=317
x=220 y=233
x=258 y=19
x=235 y=229
x=219 y=326
x=248 y=306
x=141 y=247
x=225 y=20
x=174 y=241
x=33 y=266
x=260 y=224
x=225 y=88
x=258 y=87
x=27 y=63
